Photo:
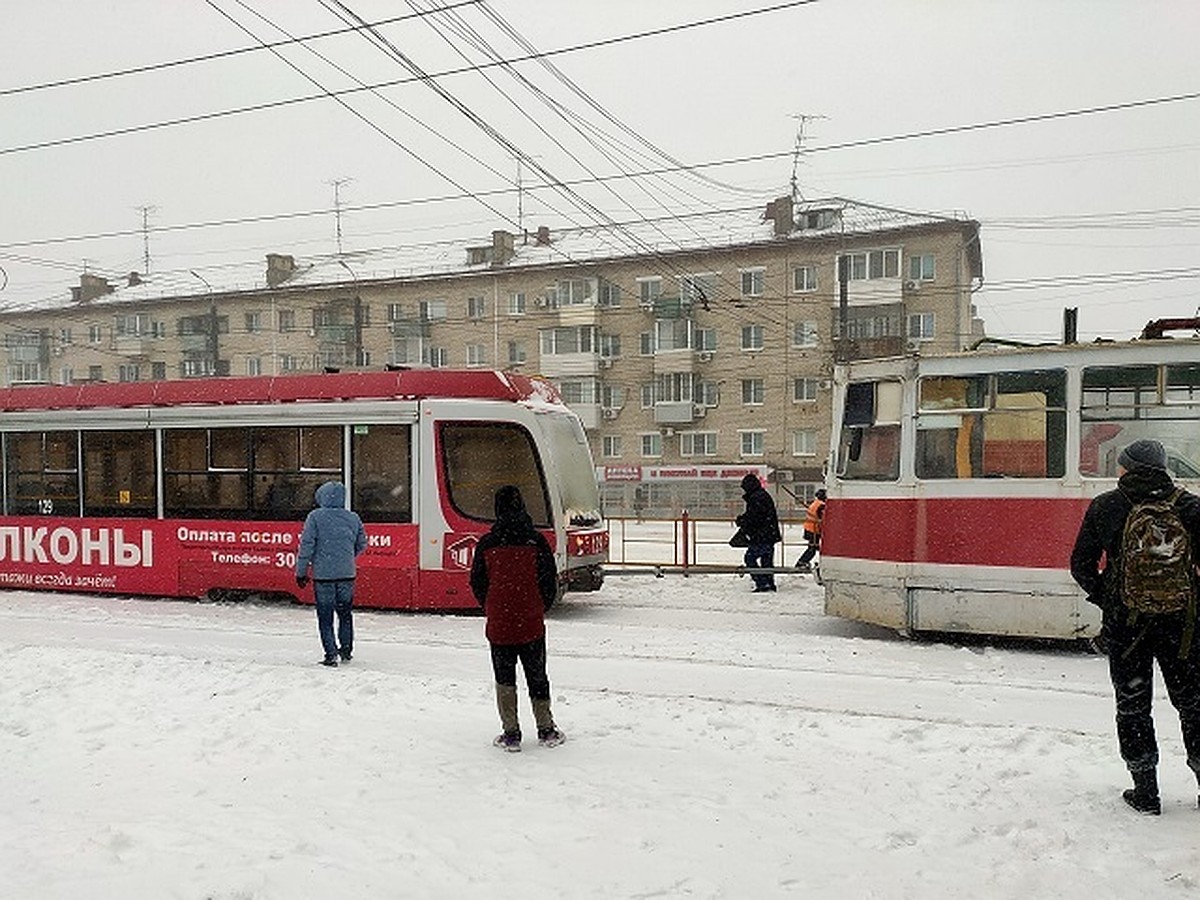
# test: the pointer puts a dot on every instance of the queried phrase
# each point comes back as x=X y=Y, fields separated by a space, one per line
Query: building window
x=872 y=264
x=804 y=390
x=752 y=337
x=64 y=337
x=647 y=394
x=804 y=279
x=432 y=310
x=95 y=373
x=804 y=334
x=752 y=442
x=649 y=290
x=67 y=375
x=439 y=357
x=920 y=326
x=475 y=355
x=516 y=352
x=610 y=345
x=753 y=281
x=476 y=307
x=516 y=304
x=651 y=444
x=921 y=268
x=158 y=371
x=570 y=339
x=804 y=442
x=698 y=443
x=95 y=334
x=752 y=391
x=610 y=294
x=612 y=396
x=253 y=365
x=610 y=446
x=253 y=322
x=128 y=372
x=395 y=312
x=646 y=343
x=288 y=363
x=287 y=320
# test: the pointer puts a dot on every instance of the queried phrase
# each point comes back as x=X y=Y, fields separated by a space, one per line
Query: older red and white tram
x=190 y=488
x=957 y=483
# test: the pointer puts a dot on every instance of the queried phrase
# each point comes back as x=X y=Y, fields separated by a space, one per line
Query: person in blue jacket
x=332 y=539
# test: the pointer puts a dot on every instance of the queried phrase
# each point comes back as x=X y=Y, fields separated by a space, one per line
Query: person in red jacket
x=515 y=580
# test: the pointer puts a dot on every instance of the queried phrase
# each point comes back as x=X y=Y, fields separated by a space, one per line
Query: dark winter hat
x=750 y=482
x=509 y=502
x=1143 y=454
x=820 y=493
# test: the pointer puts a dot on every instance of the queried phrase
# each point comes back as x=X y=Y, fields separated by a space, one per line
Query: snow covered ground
x=721 y=744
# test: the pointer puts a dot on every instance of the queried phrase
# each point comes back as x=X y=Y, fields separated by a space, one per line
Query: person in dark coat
x=761 y=525
x=332 y=539
x=515 y=580
x=1133 y=643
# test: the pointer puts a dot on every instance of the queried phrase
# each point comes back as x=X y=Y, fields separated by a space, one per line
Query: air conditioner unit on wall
x=611 y=413
x=700 y=410
x=705 y=356
x=912 y=285
x=606 y=362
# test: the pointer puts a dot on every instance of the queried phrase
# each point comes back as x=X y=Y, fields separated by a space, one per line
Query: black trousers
x=533 y=660
x=1132 y=651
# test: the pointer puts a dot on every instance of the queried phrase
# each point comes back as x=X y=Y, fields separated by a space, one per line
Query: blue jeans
x=761 y=556
x=335 y=596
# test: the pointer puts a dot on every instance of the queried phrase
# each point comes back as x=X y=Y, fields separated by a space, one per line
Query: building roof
x=589 y=245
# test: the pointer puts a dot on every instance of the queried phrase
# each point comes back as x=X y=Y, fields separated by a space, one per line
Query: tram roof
x=407 y=384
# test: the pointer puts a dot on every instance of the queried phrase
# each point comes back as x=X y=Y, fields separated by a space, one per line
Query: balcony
x=567 y=365
x=134 y=344
x=674 y=412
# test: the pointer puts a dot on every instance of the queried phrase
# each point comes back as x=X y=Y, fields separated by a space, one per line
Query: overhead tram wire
x=276 y=104
x=367 y=121
x=220 y=54
x=552 y=181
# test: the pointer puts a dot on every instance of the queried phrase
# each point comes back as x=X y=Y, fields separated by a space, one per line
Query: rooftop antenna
x=146 y=210
x=803 y=119
x=337 y=207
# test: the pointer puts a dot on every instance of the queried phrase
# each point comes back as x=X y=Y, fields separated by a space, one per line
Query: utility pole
x=798 y=150
x=146 y=210
x=337 y=207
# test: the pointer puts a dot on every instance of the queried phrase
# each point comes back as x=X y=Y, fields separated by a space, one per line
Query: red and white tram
x=957 y=483
x=193 y=488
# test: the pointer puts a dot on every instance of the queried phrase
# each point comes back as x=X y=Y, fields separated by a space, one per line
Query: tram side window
x=43 y=473
x=205 y=473
x=479 y=457
x=1122 y=404
x=118 y=473
x=1002 y=425
x=381 y=462
x=289 y=465
x=869 y=448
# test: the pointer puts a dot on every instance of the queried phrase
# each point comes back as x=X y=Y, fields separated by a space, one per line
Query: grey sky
x=1091 y=195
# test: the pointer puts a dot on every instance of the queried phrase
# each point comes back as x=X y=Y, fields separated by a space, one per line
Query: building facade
x=695 y=348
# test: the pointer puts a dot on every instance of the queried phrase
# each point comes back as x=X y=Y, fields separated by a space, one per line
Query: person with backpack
x=814 y=516
x=332 y=539
x=1135 y=556
x=760 y=523
x=515 y=580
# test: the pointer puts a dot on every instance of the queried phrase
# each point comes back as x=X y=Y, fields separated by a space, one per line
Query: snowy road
x=722 y=744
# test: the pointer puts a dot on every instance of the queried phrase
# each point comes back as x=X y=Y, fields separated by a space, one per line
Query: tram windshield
x=576 y=474
x=480 y=457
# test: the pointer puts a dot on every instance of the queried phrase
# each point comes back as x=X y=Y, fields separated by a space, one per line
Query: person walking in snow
x=814 y=516
x=332 y=539
x=515 y=580
x=1135 y=557
x=760 y=523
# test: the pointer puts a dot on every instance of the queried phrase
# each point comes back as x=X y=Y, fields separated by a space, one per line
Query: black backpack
x=1157 y=559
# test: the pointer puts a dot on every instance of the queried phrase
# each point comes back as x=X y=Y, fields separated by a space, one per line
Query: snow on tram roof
x=409 y=384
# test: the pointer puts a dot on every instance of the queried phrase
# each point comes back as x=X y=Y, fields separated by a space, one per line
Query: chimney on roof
x=134 y=279
x=502 y=247
x=280 y=267
x=543 y=236
x=90 y=287
x=780 y=212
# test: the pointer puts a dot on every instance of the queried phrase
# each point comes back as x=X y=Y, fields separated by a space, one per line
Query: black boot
x=1143 y=796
